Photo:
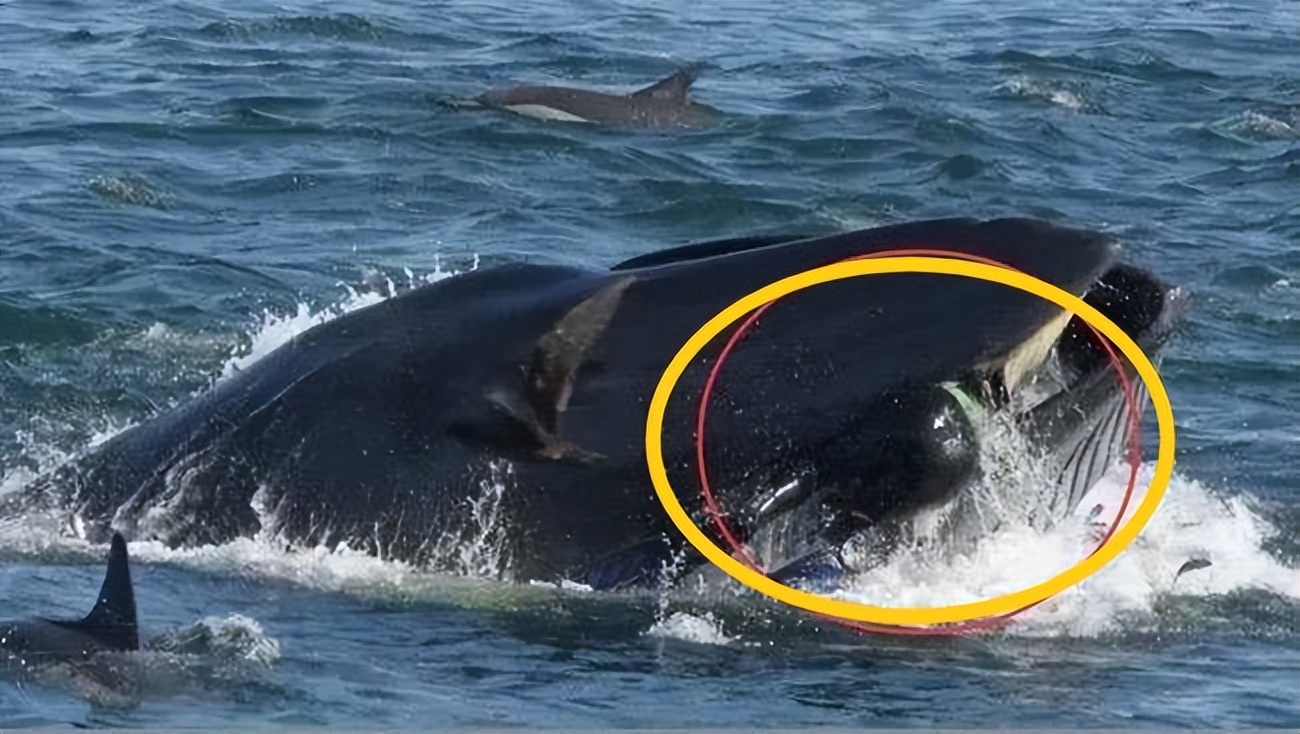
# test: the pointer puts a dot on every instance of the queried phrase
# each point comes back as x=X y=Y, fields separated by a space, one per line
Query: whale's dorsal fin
x=112 y=622
x=527 y=421
x=669 y=88
x=701 y=250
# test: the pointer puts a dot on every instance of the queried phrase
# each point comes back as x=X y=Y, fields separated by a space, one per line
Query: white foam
x=703 y=629
x=1191 y=522
x=234 y=637
x=1262 y=126
x=340 y=570
x=1051 y=92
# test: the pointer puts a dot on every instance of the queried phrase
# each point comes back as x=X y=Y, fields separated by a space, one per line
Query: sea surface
x=185 y=185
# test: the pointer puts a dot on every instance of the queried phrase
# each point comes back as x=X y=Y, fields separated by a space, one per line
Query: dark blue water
x=182 y=183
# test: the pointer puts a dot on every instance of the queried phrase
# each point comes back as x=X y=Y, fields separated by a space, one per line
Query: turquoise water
x=186 y=183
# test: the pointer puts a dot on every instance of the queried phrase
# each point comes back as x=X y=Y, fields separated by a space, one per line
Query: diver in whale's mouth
x=852 y=407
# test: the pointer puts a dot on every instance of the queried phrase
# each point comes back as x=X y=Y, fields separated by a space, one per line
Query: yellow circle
x=911 y=616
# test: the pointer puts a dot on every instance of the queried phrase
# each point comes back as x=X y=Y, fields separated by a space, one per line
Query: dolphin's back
x=663 y=104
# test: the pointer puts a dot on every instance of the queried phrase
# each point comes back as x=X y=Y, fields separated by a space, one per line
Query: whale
x=111 y=625
x=493 y=423
x=662 y=105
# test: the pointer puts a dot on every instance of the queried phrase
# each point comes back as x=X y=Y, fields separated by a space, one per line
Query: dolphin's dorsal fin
x=562 y=350
x=670 y=88
x=112 y=622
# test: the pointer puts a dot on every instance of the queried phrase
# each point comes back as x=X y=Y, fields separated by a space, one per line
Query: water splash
x=703 y=629
x=1069 y=95
x=234 y=637
x=482 y=548
x=277 y=329
x=1192 y=522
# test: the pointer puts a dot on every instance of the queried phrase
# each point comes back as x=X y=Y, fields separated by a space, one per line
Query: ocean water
x=185 y=185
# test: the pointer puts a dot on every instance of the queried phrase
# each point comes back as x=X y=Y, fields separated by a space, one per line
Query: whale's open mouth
x=1068 y=401
x=1061 y=391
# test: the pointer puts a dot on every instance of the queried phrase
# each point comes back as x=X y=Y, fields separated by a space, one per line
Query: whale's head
x=860 y=406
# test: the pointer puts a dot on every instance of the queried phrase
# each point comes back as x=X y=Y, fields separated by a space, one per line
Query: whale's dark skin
x=111 y=626
x=662 y=105
x=381 y=427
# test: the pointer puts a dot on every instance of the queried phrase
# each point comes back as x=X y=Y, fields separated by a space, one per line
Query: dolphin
x=499 y=415
x=110 y=626
x=661 y=105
